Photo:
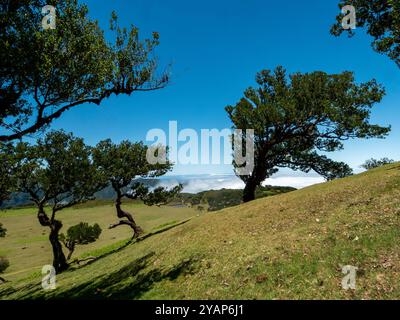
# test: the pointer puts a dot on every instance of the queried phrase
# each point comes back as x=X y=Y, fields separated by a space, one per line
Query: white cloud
x=296 y=182
x=195 y=184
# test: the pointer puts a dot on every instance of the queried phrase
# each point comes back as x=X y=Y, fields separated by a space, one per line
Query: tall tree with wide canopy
x=381 y=18
x=44 y=73
x=295 y=116
x=56 y=172
x=122 y=164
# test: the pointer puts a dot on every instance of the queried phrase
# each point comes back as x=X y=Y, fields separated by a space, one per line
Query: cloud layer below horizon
x=198 y=183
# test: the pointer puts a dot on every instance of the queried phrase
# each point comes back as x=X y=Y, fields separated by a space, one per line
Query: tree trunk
x=249 y=192
x=129 y=222
x=71 y=251
x=59 y=261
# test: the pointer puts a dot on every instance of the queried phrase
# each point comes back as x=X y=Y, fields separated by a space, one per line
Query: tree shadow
x=128 y=242
x=129 y=282
x=396 y=167
x=114 y=285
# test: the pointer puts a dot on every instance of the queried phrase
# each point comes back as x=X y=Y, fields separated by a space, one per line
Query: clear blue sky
x=216 y=47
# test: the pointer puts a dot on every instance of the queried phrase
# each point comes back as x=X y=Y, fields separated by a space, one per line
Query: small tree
x=57 y=172
x=381 y=18
x=296 y=117
x=374 y=163
x=122 y=164
x=4 y=264
x=80 y=234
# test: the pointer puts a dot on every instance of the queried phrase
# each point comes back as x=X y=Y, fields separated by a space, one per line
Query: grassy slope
x=28 y=248
x=287 y=246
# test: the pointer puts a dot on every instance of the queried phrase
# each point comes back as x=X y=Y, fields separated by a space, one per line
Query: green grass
x=289 y=246
x=27 y=246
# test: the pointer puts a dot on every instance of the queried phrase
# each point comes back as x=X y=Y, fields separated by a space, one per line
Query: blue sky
x=216 y=48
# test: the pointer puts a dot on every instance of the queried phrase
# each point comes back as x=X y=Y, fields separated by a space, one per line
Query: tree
x=294 y=117
x=122 y=164
x=374 y=163
x=381 y=18
x=56 y=172
x=44 y=73
x=80 y=234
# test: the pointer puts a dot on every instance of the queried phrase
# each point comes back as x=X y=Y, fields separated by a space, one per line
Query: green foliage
x=4 y=264
x=381 y=18
x=3 y=231
x=83 y=233
x=80 y=234
x=374 y=163
x=122 y=164
x=57 y=170
x=295 y=116
x=44 y=73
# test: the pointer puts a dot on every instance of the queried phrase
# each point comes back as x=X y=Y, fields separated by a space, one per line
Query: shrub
x=3 y=231
x=80 y=234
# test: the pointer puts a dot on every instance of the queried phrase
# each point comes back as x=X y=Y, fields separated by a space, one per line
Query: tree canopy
x=44 y=73
x=296 y=116
x=381 y=18
x=80 y=234
x=121 y=164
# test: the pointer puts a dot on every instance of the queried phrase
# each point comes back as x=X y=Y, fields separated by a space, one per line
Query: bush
x=374 y=163
x=80 y=234
x=3 y=231
x=4 y=264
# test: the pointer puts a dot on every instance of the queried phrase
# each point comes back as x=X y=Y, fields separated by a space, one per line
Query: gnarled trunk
x=59 y=261
x=129 y=222
x=70 y=245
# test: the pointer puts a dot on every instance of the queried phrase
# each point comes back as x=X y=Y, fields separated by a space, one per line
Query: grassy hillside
x=286 y=246
x=213 y=200
x=28 y=248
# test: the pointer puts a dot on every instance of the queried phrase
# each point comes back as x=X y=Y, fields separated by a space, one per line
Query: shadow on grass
x=112 y=285
x=129 y=282
x=128 y=242
x=153 y=233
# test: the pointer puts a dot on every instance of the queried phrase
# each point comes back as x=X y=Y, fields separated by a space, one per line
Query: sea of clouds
x=198 y=183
